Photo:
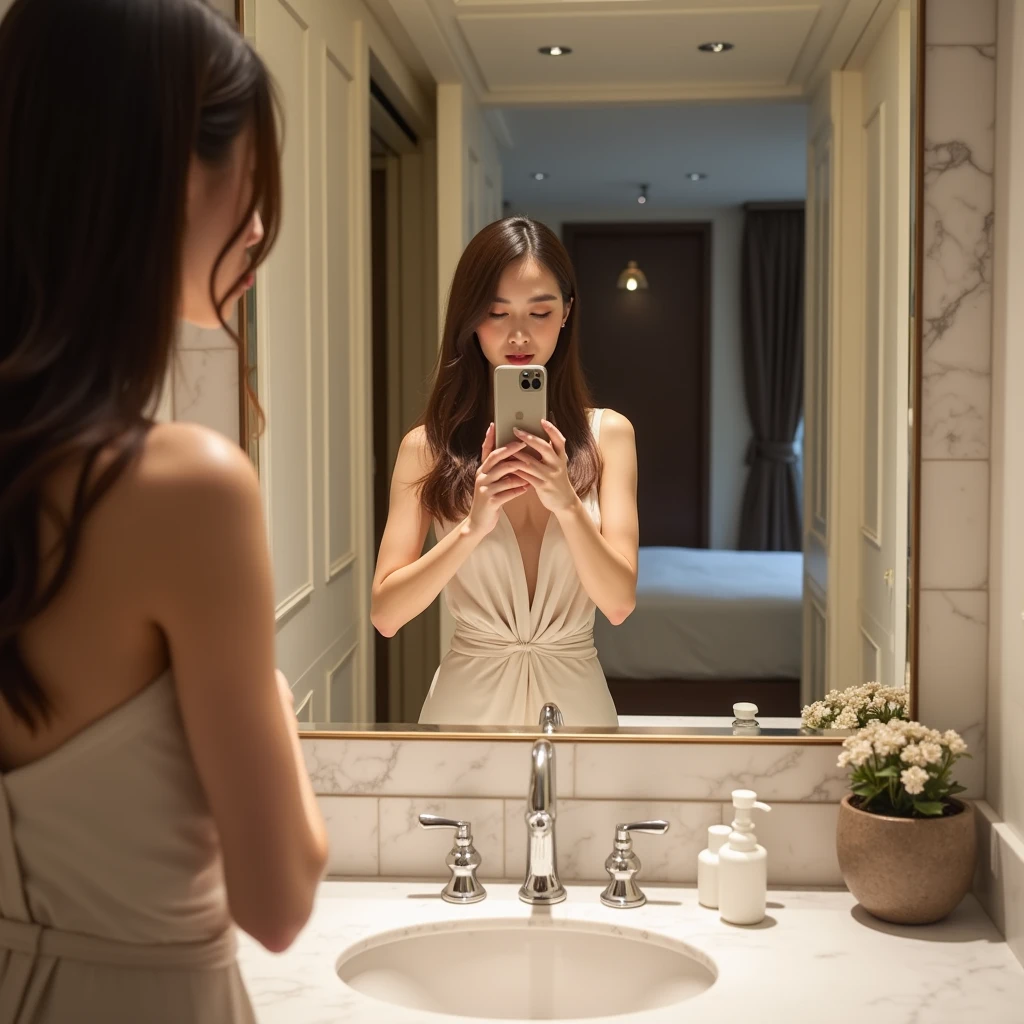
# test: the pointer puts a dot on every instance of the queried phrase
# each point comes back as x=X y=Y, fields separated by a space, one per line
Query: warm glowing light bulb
x=631 y=285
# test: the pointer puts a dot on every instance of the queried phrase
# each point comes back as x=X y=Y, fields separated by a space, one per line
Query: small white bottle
x=707 y=866
x=743 y=865
x=746 y=715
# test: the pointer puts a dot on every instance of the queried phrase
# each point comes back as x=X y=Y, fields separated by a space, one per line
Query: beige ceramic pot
x=906 y=870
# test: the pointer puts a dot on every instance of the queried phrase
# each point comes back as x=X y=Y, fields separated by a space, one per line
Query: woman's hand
x=497 y=482
x=548 y=472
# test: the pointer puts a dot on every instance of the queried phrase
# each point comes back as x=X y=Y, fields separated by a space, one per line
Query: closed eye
x=502 y=316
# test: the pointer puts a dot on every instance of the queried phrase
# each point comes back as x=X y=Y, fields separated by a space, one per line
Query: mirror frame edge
x=914 y=526
x=914 y=588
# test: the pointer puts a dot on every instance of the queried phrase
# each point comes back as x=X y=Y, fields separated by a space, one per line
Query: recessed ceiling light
x=696 y=176
x=539 y=175
x=555 y=51
x=715 y=47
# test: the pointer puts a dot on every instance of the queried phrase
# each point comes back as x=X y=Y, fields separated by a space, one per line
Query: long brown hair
x=103 y=104
x=458 y=410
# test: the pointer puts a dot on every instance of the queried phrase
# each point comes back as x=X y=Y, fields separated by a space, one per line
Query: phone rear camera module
x=536 y=383
x=525 y=385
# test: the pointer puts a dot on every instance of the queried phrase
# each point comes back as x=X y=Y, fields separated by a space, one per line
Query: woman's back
x=154 y=793
x=109 y=853
x=97 y=644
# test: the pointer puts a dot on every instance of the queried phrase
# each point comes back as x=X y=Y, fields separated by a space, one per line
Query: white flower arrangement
x=854 y=707
x=902 y=769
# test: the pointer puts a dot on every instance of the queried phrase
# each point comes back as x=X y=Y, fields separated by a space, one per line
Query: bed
x=709 y=628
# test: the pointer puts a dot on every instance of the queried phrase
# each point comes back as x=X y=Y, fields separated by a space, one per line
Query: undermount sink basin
x=526 y=970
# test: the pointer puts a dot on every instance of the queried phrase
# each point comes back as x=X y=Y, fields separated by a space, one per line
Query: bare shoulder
x=616 y=430
x=415 y=458
x=193 y=478
x=175 y=447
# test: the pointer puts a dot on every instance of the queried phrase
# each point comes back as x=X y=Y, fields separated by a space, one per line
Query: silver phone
x=520 y=400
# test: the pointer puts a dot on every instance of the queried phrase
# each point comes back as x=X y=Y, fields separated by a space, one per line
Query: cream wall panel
x=341 y=484
x=313 y=338
x=285 y=300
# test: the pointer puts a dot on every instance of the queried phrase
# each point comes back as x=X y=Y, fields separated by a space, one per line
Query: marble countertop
x=817 y=957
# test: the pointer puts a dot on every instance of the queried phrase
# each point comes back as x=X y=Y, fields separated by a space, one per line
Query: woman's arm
x=407 y=581
x=606 y=559
x=213 y=599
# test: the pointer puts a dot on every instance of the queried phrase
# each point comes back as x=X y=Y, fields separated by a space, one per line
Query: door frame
x=575 y=231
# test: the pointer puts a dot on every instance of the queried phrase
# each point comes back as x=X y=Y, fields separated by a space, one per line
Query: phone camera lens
x=526 y=385
x=526 y=373
x=536 y=383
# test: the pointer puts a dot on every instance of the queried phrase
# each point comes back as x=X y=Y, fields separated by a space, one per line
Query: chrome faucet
x=550 y=718
x=542 y=887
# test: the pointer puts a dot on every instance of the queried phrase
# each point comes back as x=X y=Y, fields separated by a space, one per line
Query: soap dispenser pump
x=743 y=865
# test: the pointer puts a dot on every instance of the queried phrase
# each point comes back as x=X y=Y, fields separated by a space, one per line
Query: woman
x=153 y=784
x=530 y=536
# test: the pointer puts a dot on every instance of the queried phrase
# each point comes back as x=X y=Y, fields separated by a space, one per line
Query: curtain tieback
x=771 y=451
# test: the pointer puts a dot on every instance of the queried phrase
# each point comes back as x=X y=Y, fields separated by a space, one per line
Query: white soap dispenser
x=743 y=865
x=707 y=866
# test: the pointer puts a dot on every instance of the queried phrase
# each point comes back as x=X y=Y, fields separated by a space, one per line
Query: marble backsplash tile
x=352 y=835
x=455 y=768
x=374 y=790
x=800 y=838
x=407 y=849
x=954 y=527
x=954 y=660
x=708 y=771
x=590 y=770
x=586 y=833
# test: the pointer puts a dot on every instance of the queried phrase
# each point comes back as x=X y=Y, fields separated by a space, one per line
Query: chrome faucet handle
x=463 y=861
x=623 y=865
x=551 y=717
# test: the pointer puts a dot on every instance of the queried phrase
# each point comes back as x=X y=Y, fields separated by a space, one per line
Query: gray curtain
x=772 y=300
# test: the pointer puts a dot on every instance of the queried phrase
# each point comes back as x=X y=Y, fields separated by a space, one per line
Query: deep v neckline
x=530 y=601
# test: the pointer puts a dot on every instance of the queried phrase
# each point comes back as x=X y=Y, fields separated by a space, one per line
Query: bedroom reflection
x=706 y=359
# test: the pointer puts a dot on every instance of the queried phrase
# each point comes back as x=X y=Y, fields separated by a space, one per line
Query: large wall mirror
x=742 y=209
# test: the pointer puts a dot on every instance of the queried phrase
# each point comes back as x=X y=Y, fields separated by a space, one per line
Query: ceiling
x=598 y=157
x=638 y=51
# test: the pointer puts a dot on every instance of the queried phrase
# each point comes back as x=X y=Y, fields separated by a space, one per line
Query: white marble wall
x=378 y=787
x=203 y=383
x=959 y=130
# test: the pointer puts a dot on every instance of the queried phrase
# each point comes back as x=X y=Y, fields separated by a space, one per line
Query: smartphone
x=520 y=400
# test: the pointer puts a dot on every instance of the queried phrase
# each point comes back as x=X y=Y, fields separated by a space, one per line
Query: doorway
x=380 y=154
x=646 y=354
x=403 y=329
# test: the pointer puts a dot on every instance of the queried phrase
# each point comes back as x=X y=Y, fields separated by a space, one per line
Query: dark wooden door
x=646 y=354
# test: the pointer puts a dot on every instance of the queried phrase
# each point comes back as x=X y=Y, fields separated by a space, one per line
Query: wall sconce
x=632 y=277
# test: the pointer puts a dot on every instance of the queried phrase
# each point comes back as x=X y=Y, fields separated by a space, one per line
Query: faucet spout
x=541 y=887
x=542 y=778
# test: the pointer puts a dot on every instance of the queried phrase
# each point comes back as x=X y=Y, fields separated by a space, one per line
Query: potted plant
x=906 y=845
x=855 y=706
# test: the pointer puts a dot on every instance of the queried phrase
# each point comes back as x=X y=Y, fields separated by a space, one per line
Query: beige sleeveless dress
x=112 y=901
x=508 y=658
